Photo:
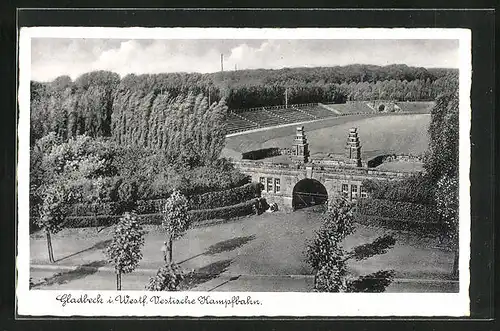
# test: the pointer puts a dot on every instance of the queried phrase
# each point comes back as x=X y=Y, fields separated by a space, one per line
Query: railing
x=343 y=169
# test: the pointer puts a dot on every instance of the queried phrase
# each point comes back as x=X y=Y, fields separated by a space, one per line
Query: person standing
x=164 y=249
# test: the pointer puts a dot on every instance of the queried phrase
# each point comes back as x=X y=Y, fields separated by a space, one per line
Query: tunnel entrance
x=307 y=193
x=381 y=108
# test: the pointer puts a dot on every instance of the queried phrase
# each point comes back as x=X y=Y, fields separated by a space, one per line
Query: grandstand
x=247 y=119
x=318 y=111
x=236 y=123
x=293 y=114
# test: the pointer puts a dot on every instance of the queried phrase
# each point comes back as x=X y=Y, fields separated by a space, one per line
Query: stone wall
x=279 y=180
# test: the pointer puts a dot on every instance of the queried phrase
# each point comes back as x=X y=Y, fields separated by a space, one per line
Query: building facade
x=306 y=182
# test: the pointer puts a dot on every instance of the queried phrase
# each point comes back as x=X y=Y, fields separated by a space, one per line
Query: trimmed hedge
x=241 y=209
x=197 y=216
x=150 y=206
x=430 y=228
x=261 y=153
x=398 y=210
x=208 y=200
x=102 y=208
x=224 y=198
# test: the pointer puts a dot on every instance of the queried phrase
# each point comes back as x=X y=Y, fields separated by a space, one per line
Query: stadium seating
x=243 y=120
x=317 y=111
x=262 y=116
x=292 y=115
x=238 y=124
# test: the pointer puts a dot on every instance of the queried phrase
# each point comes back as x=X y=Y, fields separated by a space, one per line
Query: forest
x=131 y=109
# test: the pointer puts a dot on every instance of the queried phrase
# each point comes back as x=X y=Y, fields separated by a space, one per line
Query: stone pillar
x=353 y=148
x=300 y=148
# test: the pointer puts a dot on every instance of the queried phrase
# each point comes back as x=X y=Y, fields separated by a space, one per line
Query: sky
x=53 y=57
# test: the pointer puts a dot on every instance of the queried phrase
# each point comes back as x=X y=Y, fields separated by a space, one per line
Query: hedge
x=241 y=209
x=397 y=210
x=429 y=228
x=101 y=208
x=261 y=153
x=224 y=198
x=197 y=216
x=208 y=200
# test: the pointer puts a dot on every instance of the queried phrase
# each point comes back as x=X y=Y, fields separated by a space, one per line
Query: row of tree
x=183 y=127
x=100 y=103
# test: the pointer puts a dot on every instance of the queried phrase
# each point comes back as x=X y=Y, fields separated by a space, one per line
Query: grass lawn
x=401 y=166
x=262 y=253
x=378 y=135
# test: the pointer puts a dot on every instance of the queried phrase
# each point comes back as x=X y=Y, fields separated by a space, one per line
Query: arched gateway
x=308 y=192
x=297 y=181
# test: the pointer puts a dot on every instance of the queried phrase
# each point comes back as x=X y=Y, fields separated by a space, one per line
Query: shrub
x=103 y=208
x=127 y=193
x=416 y=189
x=425 y=229
x=397 y=210
x=241 y=209
x=167 y=278
x=227 y=197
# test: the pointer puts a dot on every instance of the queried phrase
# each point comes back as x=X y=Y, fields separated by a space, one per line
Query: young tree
x=175 y=218
x=329 y=259
x=124 y=252
x=55 y=199
x=447 y=207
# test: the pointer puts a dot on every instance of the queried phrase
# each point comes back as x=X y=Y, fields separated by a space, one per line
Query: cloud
x=73 y=57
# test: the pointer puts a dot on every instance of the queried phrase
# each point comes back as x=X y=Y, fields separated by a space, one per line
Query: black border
x=482 y=24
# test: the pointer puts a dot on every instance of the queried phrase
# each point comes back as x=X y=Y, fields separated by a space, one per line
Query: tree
x=329 y=259
x=124 y=252
x=447 y=207
x=53 y=210
x=442 y=158
x=175 y=218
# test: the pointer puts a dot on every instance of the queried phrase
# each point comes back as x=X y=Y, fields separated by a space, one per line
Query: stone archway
x=381 y=107
x=308 y=192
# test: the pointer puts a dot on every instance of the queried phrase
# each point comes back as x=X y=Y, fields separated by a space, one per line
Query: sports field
x=399 y=134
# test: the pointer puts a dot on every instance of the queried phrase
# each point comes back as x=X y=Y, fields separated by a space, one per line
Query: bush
x=209 y=200
x=416 y=189
x=127 y=193
x=102 y=208
x=397 y=210
x=228 y=197
x=241 y=209
x=432 y=229
x=261 y=153
x=167 y=278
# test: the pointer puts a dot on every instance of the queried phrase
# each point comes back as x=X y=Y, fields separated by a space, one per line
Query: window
x=364 y=194
x=277 y=185
x=354 y=191
x=269 y=185
x=263 y=182
x=345 y=190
